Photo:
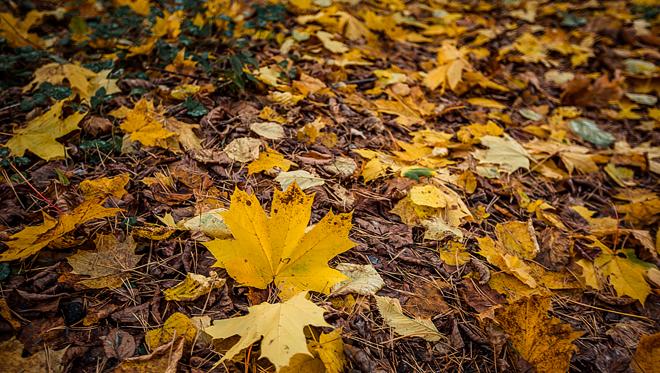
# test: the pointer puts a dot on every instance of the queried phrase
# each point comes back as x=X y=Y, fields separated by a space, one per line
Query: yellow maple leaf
x=281 y=326
x=545 y=342
x=32 y=239
x=625 y=272
x=40 y=134
x=140 y=7
x=17 y=32
x=472 y=133
x=107 y=263
x=328 y=356
x=507 y=262
x=518 y=237
x=105 y=187
x=268 y=160
x=151 y=127
x=277 y=247
x=451 y=63
x=79 y=78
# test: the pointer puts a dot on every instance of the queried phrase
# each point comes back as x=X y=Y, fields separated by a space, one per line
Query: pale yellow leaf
x=362 y=279
x=280 y=325
x=392 y=313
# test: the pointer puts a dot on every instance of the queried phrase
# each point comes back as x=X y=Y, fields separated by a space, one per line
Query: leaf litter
x=329 y=186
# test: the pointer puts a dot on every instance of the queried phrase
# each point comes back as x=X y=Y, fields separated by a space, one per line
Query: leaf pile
x=329 y=186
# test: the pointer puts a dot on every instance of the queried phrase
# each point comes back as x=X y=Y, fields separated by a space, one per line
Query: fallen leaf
x=543 y=341
x=277 y=248
x=333 y=46
x=518 y=237
x=589 y=131
x=104 y=187
x=243 y=149
x=17 y=32
x=193 y=287
x=281 y=326
x=32 y=239
x=362 y=279
x=269 y=130
x=118 y=344
x=302 y=178
x=11 y=354
x=151 y=127
x=328 y=356
x=625 y=272
x=454 y=254
x=163 y=359
x=176 y=326
x=647 y=354
x=269 y=160
x=392 y=313
x=40 y=134
x=107 y=264
x=503 y=151
x=140 y=7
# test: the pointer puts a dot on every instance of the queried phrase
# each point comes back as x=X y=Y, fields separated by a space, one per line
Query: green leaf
x=589 y=131
x=194 y=107
x=415 y=173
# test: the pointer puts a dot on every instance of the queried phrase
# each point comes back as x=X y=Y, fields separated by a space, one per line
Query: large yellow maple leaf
x=281 y=326
x=40 y=134
x=545 y=342
x=278 y=247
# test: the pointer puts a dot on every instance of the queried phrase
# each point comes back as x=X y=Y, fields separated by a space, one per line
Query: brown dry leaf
x=428 y=301
x=118 y=344
x=543 y=341
x=163 y=359
x=582 y=92
x=107 y=264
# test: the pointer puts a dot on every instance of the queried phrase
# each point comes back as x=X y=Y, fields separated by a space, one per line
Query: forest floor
x=481 y=179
